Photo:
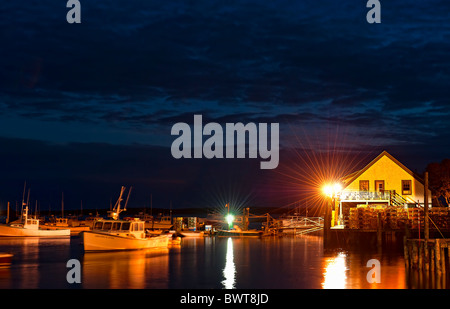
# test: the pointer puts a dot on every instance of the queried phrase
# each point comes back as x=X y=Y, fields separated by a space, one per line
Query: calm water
x=267 y=263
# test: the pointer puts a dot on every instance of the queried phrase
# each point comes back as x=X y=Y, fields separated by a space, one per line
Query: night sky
x=86 y=108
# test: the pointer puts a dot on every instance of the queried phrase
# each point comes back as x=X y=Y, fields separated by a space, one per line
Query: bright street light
x=332 y=190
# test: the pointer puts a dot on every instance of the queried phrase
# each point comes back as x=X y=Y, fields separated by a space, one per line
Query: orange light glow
x=332 y=190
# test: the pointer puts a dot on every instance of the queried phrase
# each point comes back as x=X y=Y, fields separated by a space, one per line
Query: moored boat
x=110 y=235
x=115 y=234
x=164 y=223
x=62 y=224
x=192 y=233
x=236 y=232
x=29 y=227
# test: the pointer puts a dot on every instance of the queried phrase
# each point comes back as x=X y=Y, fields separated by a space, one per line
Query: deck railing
x=365 y=196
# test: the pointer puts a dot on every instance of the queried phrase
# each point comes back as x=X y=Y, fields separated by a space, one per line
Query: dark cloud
x=132 y=69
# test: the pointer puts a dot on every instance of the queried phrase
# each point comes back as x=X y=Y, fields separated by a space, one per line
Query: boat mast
x=23 y=199
x=116 y=211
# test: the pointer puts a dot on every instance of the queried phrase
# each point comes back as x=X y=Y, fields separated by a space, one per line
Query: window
x=406 y=187
x=363 y=185
x=379 y=185
x=126 y=226
x=98 y=225
x=107 y=226
x=116 y=226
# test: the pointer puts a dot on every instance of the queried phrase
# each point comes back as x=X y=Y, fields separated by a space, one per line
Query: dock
x=427 y=254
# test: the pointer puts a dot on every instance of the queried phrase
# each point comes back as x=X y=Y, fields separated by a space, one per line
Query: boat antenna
x=128 y=196
x=23 y=194
x=28 y=197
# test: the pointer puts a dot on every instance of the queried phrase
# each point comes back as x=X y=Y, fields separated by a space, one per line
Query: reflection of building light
x=335 y=273
x=229 y=270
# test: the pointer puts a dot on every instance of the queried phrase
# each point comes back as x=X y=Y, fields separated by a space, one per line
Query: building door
x=379 y=185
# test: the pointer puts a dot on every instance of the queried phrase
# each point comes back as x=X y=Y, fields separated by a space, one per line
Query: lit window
x=363 y=185
x=406 y=187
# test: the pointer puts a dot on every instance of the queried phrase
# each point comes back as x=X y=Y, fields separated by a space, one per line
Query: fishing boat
x=164 y=223
x=64 y=223
x=75 y=226
x=29 y=227
x=114 y=234
x=121 y=235
x=237 y=232
x=192 y=233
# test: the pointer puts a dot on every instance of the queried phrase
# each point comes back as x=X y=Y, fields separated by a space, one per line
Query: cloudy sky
x=87 y=107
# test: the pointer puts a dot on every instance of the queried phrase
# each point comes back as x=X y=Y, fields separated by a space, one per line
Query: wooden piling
x=432 y=259
x=437 y=254
x=406 y=251
x=420 y=255
x=415 y=256
x=379 y=231
x=426 y=255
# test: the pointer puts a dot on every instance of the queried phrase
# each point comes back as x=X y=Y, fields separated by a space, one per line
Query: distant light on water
x=229 y=270
x=335 y=276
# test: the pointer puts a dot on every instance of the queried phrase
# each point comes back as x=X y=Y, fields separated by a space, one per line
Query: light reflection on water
x=267 y=263
x=229 y=269
x=335 y=276
x=126 y=269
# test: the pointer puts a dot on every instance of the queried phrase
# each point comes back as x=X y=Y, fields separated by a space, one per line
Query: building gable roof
x=348 y=179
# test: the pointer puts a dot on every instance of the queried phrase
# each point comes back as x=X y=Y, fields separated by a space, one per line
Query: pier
x=427 y=254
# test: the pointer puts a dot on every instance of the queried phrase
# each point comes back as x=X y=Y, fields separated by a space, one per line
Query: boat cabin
x=121 y=227
x=26 y=222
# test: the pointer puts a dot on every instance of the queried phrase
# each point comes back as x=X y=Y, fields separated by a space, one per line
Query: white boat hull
x=73 y=230
x=235 y=233
x=98 y=241
x=16 y=231
x=192 y=234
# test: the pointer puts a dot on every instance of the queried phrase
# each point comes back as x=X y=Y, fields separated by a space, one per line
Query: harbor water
x=205 y=263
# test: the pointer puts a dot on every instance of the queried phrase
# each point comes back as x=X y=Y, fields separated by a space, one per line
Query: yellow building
x=385 y=182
